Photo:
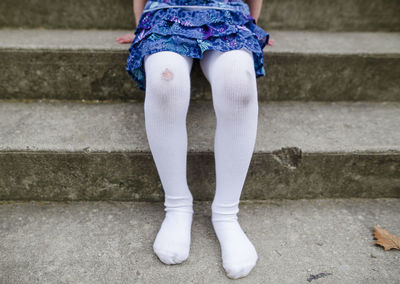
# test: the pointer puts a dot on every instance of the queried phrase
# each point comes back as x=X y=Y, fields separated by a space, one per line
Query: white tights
x=234 y=92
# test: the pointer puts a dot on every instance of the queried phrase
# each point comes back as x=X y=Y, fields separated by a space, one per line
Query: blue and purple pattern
x=226 y=25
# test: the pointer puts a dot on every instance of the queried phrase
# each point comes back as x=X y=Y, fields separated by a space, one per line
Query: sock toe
x=170 y=257
x=236 y=271
x=180 y=258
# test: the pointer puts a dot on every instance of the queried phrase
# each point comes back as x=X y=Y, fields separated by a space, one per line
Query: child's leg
x=234 y=89
x=166 y=104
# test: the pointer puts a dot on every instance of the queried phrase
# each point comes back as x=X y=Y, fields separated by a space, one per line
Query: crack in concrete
x=289 y=157
x=320 y=275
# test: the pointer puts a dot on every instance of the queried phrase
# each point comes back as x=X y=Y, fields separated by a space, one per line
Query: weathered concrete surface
x=87 y=151
x=334 y=15
x=103 y=14
x=314 y=127
x=297 y=242
x=61 y=64
x=133 y=176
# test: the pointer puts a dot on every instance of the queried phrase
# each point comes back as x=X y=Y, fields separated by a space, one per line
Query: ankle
x=224 y=212
x=182 y=204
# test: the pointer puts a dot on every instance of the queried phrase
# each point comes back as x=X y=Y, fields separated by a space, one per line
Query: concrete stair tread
x=297 y=242
x=312 y=42
x=119 y=127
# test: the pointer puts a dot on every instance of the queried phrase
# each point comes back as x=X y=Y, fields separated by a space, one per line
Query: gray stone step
x=64 y=64
x=334 y=15
x=302 y=241
x=99 y=151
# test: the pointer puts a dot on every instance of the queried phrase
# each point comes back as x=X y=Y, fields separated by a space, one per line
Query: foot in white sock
x=239 y=255
x=172 y=243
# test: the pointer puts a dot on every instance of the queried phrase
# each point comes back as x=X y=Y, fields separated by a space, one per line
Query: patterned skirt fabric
x=223 y=26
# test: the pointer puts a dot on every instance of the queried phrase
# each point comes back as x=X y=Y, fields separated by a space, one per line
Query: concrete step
x=99 y=151
x=302 y=241
x=333 y=15
x=65 y=64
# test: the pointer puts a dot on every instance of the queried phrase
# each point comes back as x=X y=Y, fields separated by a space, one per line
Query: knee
x=168 y=88
x=237 y=91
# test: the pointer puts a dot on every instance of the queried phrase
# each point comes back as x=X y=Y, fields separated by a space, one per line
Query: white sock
x=234 y=90
x=166 y=104
x=172 y=243
x=239 y=255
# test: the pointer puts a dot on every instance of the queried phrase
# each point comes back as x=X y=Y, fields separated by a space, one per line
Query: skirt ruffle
x=191 y=33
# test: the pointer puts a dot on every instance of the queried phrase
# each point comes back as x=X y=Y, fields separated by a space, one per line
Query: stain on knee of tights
x=167 y=75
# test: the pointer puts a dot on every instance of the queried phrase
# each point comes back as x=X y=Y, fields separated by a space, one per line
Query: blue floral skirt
x=191 y=33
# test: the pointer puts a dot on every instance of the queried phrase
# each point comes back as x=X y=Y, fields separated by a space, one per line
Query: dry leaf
x=386 y=239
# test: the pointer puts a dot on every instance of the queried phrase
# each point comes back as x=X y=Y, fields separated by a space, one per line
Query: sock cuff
x=232 y=208
x=178 y=203
x=224 y=212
